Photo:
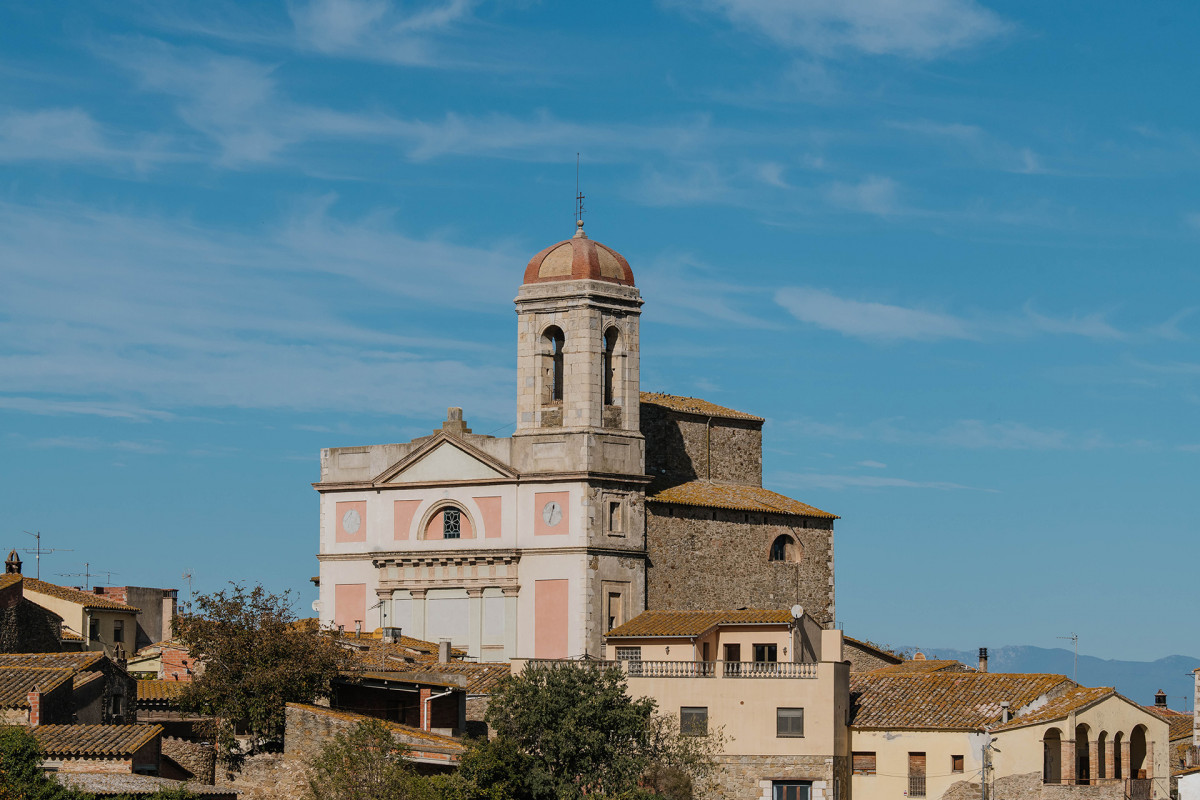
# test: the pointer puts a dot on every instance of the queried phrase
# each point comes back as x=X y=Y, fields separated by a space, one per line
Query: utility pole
x=1074 y=639
x=38 y=553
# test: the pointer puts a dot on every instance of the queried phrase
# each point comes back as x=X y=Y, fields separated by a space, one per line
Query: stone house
x=156 y=611
x=62 y=688
x=927 y=734
x=604 y=502
x=308 y=728
x=777 y=687
x=105 y=625
x=26 y=627
x=132 y=749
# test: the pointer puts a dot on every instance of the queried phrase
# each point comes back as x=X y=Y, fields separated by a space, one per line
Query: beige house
x=777 y=688
x=105 y=625
x=934 y=734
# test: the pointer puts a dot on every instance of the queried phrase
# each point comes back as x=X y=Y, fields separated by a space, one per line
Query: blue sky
x=946 y=248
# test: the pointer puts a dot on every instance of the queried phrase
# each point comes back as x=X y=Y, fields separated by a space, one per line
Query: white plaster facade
x=551 y=545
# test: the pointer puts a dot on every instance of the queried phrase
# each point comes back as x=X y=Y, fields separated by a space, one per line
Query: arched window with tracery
x=449 y=522
x=608 y=368
x=552 y=364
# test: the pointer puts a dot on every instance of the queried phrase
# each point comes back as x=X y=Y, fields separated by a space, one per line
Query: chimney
x=35 y=707
x=983 y=659
x=443 y=651
x=455 y=425
x=1160 y=699
x=1004 y=707
x=170 y=604
x=357 y=628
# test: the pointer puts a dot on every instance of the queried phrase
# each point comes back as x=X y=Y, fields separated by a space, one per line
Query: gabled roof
x=84 y=678
x=1075 y=699
x=694 y=405
x=443 y=439
x=8 y=579
x=17 y=682
x=943 y=701
x=482 y=677
x=738 y=497
x=85 y=599
x=1181 y=723
x=370 y=652
x=159 y=691
x=71 y=661
x=415 y=735
x=693 y=623
x=918 y=667
x=64 y=741
x=862 y=644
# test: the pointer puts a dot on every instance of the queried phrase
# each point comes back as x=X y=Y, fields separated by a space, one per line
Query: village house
x=60 y=688
x=104 y=625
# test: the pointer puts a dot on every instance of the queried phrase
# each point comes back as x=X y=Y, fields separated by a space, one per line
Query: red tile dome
x=579 y=258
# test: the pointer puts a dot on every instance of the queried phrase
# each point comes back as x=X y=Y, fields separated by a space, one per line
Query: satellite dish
x=316 y=606
x=797 y=611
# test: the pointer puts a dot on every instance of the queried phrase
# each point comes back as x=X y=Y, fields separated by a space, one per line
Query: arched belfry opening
x=553 y=342
x=608 y=368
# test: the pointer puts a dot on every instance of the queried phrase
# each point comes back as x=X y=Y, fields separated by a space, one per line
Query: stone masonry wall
x=703 y=558
x=863 y=658
x=197 y=759
x=750 y=777
x=678 y=447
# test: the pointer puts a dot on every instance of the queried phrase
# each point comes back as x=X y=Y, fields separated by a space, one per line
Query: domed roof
x=579 y=258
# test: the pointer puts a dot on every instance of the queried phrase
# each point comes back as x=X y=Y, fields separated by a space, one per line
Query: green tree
x=255 y=660
x=364 y=763
x=21 y=775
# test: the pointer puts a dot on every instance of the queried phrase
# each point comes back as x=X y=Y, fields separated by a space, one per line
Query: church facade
x=604 y=502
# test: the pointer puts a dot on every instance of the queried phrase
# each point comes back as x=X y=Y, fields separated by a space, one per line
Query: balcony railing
x=695 y=669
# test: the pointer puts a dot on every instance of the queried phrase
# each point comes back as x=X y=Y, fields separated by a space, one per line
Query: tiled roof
x=693 y=623
x=711 y=494
x=157 y=648
x=428 y=738
x=16 y=683
x=71 y=661
x=8 y=579
x=69 y=635
x=84 y=678
x=922 y=667
x=941 y=701
x=481 y=677
x=160 y=691
x=373 y=653
x=85 y=599
x=60 y=741
x=1181 y=723
x=106 y=784
x=1072 y=700
x=694 y=405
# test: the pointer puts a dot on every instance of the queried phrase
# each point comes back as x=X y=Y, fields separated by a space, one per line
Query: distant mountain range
x=1137 y=680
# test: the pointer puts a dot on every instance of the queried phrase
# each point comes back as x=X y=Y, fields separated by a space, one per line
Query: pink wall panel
x=402 y=517
x=540 y=526
x=349 y=604
x=433 y=528
x=489 y=509
x=550 y=619
x=359 y=532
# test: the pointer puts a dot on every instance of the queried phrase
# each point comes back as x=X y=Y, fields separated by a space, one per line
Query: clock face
x=351 y=521
x=552 y=513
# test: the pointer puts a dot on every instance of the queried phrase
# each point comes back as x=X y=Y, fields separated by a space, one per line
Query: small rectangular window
x=693 y=720
x=616 y=610
x=956 y=763
x=789 y=722
x=764 y=653
x=451 y=523
x=791 y=790
x=94 y=630
x=615 y=526
x=864 y=763
x=119 y=631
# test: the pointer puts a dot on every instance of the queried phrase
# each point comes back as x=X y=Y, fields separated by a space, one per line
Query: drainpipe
x=428 y=721
x=708 y=448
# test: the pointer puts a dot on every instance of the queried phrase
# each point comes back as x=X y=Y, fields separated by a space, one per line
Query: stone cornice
x=533 y=477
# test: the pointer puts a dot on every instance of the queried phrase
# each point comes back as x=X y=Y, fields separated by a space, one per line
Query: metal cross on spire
x=578 y=195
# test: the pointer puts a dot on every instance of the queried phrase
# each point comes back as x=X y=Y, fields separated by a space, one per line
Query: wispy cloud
x=92 y=443
x=878 y=321
x=874 y=194
x=70 y=135
x=984 y=147
x=922 y=29
x=972 y=434
x=871 y=464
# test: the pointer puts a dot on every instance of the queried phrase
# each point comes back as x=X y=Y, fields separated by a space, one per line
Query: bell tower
x=578 y=362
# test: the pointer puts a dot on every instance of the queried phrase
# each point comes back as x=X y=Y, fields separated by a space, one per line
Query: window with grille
x=693 y=720
x=864 y=763
x=629 y=654
x=789 y=722
x=451 y=523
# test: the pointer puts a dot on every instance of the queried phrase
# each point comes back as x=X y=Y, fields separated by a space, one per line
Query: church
x=605 y=502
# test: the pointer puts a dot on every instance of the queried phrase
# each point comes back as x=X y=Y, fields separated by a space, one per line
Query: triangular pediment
x=445 y=458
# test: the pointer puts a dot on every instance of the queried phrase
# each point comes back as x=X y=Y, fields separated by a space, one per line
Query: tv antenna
x=578 y=196
x=1074 y=638
x=87 y=575
x=38 y=551
x=187 y=576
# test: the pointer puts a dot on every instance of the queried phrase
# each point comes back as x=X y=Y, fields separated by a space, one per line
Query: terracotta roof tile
x=1072 y=700
x=954 y=701
x=69 y=635
x=17 y=682
x=8 y=579
x=58 y=741
x=106 y=784
x=482 y=678
x=373 y=653
x=407 y=731
x=84 y=678
x=71 y=661
x=694 y=405
x=738 y=497
x=921 y=667
x=159 y=691
x=1181 y=723
x=85 y=599
x=693 y=623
